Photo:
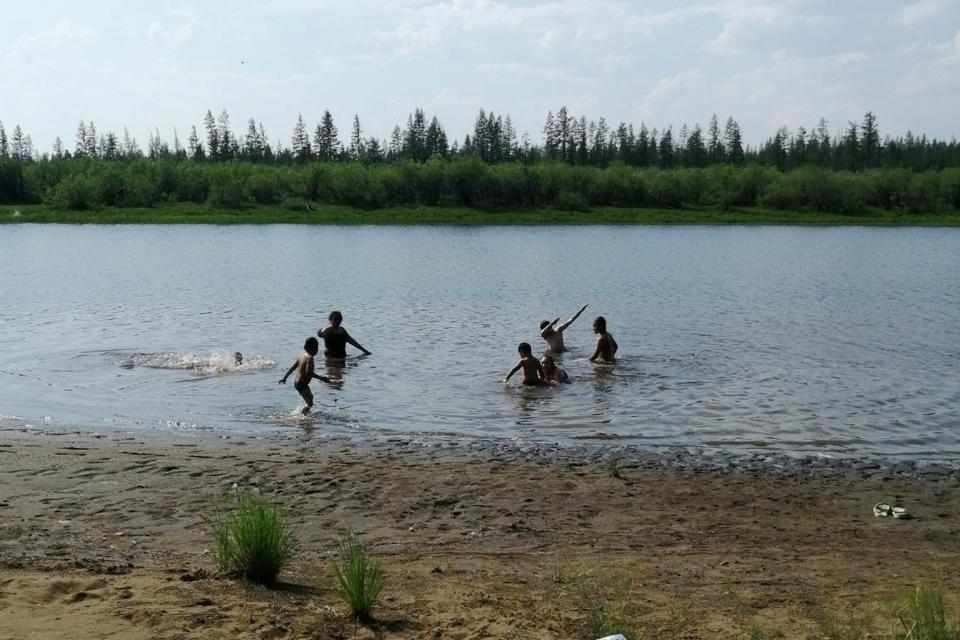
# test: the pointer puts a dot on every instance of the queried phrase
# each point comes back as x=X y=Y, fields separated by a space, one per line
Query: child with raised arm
x=606 y=350
x=304 y=368
x=553 y=333
x=532 y=369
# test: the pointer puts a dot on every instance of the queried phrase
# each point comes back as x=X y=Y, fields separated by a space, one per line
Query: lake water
x=844 y=341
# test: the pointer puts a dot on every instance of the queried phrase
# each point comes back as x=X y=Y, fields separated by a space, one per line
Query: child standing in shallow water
x=304 y=368
x=606 y=350
x=532 y=369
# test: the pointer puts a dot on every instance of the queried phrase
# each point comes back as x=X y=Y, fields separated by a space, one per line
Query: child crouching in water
x=553 y=373
x=532 y=369
x=304 y=368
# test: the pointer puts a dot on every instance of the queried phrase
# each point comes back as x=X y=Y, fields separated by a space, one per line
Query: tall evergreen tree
x=57 y=147
x=213 y=136
x=90 y=146
x=18 y=147
x=666 y=149
x=870 y=140
x=356 y=139
x=696 y=153
x=80 y=148
x=300 y=141
x=395 y=149
x=193 y=143
x=714 y=144
x=436 y=139
x=4 y=148
x=227 y=143
x=326 y=139
x=734 y=142
x=550 y=136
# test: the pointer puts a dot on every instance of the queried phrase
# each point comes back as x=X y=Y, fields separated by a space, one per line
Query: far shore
x=321 y=214
x=111 y=533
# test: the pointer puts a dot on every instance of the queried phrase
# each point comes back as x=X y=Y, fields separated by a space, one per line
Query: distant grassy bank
x=333 y=214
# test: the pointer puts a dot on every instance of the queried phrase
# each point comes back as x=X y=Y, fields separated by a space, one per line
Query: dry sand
x=105 y=537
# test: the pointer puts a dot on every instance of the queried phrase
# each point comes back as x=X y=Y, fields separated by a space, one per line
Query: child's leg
x=306 y=394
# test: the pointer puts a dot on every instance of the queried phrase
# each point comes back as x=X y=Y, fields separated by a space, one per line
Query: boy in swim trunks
x=304 y=368
x=553 y=335
x=532 y=370
x=606 y=346
x=553 y=373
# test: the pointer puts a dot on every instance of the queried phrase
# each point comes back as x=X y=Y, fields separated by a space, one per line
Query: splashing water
x=216 y=363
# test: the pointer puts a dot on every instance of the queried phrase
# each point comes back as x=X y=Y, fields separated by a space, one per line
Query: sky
x=767 y=63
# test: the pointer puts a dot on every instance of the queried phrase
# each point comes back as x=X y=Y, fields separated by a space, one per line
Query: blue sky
x=766 y=62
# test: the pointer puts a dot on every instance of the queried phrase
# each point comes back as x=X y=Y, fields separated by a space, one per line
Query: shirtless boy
x=336 y=339
x=606 y=345
x=532 y=370
x=554 y=334
x=304 y=369
x=553 y=373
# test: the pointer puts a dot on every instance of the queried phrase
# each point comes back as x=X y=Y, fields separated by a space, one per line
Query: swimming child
x=304 y=368
x=553 y=373
x=237 y=358
x=335 y=338
x=606 y=345
x=554 y=334
x=532 y=369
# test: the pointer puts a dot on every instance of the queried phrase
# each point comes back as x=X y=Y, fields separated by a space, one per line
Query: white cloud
x=63 y=32
x=919 y=11
x=175 y=37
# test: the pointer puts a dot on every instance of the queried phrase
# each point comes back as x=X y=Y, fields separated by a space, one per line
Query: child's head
x=544 y=325
x=524 y=349
x=549 y=366
x=599 y=325
x=311 y=346
x=336 y=318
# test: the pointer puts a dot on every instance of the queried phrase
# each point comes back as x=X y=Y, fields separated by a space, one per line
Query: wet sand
x=106 y=537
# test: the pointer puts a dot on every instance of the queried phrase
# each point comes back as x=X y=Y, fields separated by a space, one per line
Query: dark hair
x=311 y=345
x=600 y=324
x=548 y=359
x=335 y=313
x=544 y=325
x=524 y=347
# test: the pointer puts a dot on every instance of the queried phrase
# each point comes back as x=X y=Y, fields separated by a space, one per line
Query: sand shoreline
x=106 y=533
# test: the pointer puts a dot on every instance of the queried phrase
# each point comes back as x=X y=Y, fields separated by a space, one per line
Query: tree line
x=576 y=165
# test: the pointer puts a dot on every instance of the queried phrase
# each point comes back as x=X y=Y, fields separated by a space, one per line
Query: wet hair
x=335 y=313
x=238 y=357
x=544 y=325
x=524 y=347
x=600 y=324
x=311 y=346
x=548 y=360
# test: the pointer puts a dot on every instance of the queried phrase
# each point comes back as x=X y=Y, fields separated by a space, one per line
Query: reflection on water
x=835 y=340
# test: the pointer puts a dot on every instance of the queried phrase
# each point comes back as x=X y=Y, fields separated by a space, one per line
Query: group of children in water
x=535 y=372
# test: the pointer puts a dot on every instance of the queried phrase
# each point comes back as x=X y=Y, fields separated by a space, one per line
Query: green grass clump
x=252 y=540
x=850 y=629
x=757 y=632
x=613 y=466
x=923 y=615
x=359 y=576
x=603 y=605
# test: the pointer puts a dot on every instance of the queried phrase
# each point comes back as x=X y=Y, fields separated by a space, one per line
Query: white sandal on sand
x=882 y=510
x=900 y=513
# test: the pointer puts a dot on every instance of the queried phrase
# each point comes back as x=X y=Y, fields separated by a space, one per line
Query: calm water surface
x=835 y=340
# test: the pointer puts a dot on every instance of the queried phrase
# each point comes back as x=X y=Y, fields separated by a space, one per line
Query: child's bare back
x=532 y=369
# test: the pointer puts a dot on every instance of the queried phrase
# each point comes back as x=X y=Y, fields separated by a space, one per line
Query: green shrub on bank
x=359 y=576
x=84 y=183
x=253 y=540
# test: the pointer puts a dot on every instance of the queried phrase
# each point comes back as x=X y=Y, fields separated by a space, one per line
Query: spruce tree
x=325 y=139
x=666 y=149
x=549 y=136
x=17 y=144
x=193 y=142
x=90 y=147
x=734 y=142
x=870 y=141
x=715 y=145
x=213 y=136
x=57 y=147
x=696 y=154
x=4 y=149
x=80 y=147
x=356 y=139
x=227 y=144
x=299 y=141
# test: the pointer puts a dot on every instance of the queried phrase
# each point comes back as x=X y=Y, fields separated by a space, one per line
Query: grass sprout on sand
x=603 y=602
x=757 y=632
x=359 y=576
x=252 y=540
x=614 y=467
x=852 y=628
x=923 y=614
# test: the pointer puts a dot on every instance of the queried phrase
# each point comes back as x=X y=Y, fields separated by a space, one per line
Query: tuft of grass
x=252 y=540
x=850 y=629
x=359 y=576
x=614 y=467
x=603 y=605
x=923 y=614
x=756 y=632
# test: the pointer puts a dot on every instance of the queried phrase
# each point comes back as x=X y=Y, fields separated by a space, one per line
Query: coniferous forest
x=576 y=165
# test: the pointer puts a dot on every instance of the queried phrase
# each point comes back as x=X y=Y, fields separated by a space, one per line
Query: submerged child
x=553 y=333
x=553 y=373
x=606 y=346
x=532 y=369
x=304 y=368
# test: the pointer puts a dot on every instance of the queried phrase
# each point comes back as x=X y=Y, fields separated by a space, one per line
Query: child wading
x=532 y=369
x=304 y=368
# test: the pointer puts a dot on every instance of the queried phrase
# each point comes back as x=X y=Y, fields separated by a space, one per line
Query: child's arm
x=570 y=321
x=596 y=353
x=513 y=371
x=321 y=378
x=543 y=376
x=283 y=380
x=355 y=343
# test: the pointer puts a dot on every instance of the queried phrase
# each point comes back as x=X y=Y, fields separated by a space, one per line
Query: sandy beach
x=107 y=537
